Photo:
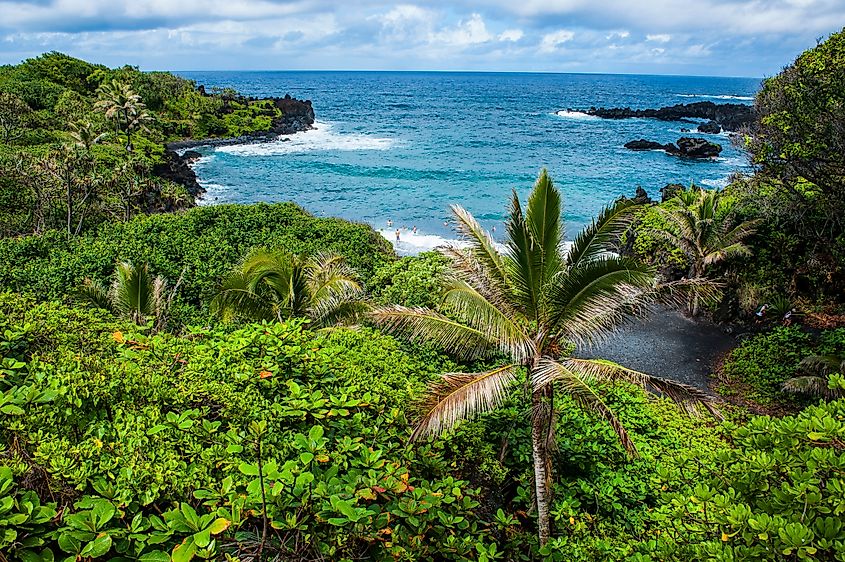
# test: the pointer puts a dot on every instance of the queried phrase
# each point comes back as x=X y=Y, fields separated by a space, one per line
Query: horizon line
x=453 y=71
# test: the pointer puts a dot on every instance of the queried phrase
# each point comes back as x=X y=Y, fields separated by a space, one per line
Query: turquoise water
x=404 y=146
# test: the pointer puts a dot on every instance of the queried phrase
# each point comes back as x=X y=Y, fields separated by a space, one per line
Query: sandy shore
x=667 y=344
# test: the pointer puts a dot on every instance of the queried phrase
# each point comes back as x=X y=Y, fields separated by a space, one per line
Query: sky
x=753 y=38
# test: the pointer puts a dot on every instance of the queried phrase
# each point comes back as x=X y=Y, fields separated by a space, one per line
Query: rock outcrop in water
x=686 y=147
x=643 y=144
x=710 y=128
x=729 y=116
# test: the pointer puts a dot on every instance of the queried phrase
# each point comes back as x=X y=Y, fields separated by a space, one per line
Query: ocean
x=403 y=146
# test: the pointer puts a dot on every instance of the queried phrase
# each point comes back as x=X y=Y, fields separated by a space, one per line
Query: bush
x=410 y=281
x=765 y=361
x=779 y=494
x=199 y=245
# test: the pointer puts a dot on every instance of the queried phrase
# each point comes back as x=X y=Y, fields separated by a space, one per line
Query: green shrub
x=200 y=245
x=164 y=444
x=779 y=494
x=765 y=361
x=410 y=281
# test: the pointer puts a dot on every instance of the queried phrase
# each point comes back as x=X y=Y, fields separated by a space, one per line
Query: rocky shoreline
x=728 y=116
x=297 y=116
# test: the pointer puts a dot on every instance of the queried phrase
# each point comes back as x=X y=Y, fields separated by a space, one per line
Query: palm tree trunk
x=695 y=273
x=541 y=476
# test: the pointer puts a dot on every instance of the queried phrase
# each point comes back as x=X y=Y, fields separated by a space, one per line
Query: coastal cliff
x=296 y=116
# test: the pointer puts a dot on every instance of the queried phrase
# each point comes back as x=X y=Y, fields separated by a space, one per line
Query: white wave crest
x=214 y=193
x=717 y=96
x=567 y=114
x=322 y=137
x=719 y=183
x=412 y=243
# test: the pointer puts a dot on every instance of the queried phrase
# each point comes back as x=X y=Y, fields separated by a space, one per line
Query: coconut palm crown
x=276 y=285
x=527 y=303
x=703 y=224
x=134 y=293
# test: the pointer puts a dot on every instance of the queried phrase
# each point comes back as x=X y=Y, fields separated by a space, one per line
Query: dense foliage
x=761 y=364
x=198 y=246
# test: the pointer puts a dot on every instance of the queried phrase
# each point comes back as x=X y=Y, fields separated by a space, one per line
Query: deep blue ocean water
x=405 y=145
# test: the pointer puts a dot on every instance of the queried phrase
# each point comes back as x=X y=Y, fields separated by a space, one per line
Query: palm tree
x=816 y=382
x=703 y=224
x=528 y=303
x=84 y=135
x=133 y=294
x=276 y=285
x=119 y=102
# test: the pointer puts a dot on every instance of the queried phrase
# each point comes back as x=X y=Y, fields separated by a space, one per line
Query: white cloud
x=512 y=35
x=468 y=32
x=755 y=37
x=551 y=41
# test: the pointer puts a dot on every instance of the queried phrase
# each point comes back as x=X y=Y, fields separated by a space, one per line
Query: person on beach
x=397 y=235
x=761 y=313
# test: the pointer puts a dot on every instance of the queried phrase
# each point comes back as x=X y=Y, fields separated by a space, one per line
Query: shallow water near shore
x=404 y=146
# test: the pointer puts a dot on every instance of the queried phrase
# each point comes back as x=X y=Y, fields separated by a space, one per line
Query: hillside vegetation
x=145 y=415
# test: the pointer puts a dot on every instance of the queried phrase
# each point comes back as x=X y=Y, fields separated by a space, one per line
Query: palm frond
x=424 y=325
x=473 y=309
x=577 y=385
x=523 y=262
x=131 y=290
x=542 y=216
x=814 y=386
x=482 y=245
x=464 y=266
x=342 y=306
x=95 y=293
x=599 y=238
x=236 y=298
x=598 y=296
x=823 y=365
x=459 y=396
x=687 y=397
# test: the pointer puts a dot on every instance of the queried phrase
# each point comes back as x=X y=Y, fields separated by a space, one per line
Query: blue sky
x=704 y=37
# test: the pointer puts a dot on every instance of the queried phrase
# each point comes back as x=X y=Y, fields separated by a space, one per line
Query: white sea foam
x=412 y=244
x=567 y=114
x=717 y=97
x=322 y=137
x=214 y=193
x=717 y=183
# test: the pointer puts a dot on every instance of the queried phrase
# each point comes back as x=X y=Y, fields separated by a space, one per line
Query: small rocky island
x=686 y=147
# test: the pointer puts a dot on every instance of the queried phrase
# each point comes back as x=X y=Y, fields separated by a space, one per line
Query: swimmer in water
x=397 y=235
x=389 y=223
x=415 y=229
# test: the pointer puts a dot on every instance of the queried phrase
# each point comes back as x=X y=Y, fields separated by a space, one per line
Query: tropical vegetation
x=168 y=390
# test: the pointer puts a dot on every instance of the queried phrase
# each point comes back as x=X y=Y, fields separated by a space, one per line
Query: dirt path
x=669 y=345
